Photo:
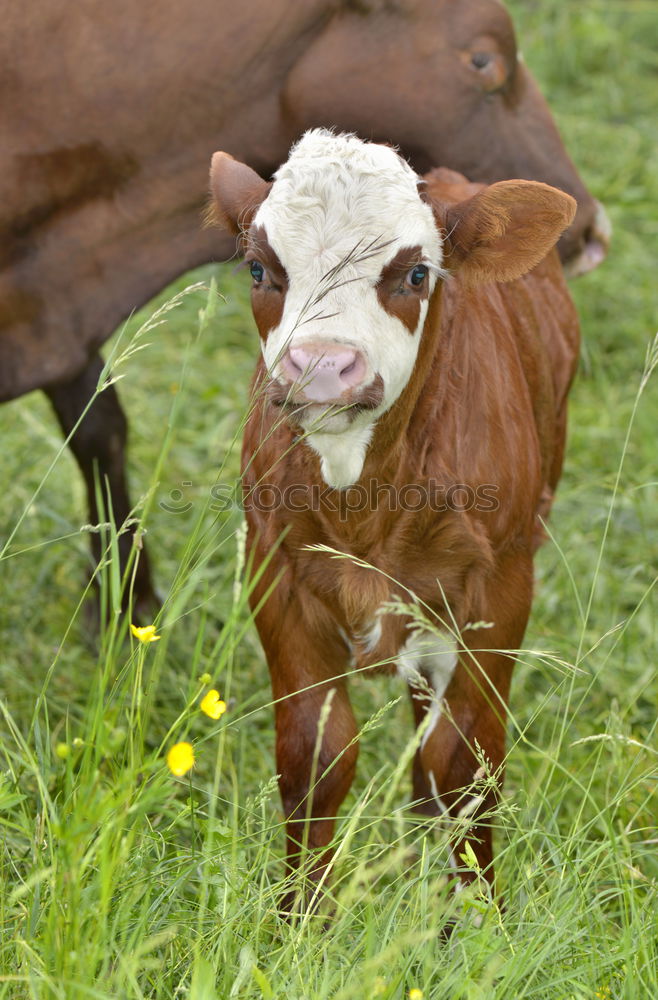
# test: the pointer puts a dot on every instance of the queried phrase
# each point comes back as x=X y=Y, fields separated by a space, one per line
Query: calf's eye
x=417 y=275
x=257 y=271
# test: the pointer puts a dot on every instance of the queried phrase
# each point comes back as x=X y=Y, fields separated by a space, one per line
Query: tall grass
x=120 y=880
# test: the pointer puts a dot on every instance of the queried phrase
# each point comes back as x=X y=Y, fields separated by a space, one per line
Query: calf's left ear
x=505 y=229
x=237 y=192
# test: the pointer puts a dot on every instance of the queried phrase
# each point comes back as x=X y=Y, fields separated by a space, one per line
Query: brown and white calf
x=418 y=342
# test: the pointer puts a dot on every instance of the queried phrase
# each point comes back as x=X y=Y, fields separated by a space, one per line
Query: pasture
x=121 y=880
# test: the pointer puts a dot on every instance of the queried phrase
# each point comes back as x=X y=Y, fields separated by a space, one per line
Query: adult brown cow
x=408 y=413
x=110 y=113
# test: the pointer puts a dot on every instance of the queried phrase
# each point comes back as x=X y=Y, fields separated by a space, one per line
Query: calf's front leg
x=316 y=735
x=316 y=767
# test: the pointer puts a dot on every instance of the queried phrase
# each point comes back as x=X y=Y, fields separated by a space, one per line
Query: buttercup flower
x=145 y=634
x=180 y=759
x=213 y=705
x=415 y=994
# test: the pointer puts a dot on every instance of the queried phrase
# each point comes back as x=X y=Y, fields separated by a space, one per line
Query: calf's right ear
x=236 y=192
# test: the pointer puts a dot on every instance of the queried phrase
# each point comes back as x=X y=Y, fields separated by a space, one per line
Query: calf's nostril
x=348 y=369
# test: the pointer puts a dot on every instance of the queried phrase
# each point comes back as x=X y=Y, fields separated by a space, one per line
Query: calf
x=418 y=342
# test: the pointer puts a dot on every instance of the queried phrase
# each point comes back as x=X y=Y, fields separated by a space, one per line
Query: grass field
x=122 y=881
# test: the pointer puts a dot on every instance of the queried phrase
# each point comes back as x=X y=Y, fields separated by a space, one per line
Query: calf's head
x=345 y=252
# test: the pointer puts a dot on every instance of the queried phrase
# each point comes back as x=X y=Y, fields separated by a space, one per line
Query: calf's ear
x=236 y=193
x=505 y=229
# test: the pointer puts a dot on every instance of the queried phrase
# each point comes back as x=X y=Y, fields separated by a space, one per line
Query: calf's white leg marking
x=372 y=634
x=470 y=806
x=433 y=657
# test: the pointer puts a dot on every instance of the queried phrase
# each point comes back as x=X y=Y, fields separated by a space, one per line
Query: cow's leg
x=99 y=444
x=473 y=720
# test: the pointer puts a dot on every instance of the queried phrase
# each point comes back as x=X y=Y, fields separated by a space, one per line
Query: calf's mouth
x=290 y=399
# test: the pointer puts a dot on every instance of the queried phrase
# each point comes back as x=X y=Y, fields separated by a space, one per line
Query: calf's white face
x=344 y=255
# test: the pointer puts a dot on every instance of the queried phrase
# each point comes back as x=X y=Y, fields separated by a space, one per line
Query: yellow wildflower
x=180 y=759
x=415 y=994
x=213 y=705
x=145 y=634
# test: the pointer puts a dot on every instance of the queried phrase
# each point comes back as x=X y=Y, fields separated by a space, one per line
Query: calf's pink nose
x=323 y=371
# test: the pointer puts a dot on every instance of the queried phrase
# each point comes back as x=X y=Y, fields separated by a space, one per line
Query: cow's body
x=478 y=425
x=108 y=122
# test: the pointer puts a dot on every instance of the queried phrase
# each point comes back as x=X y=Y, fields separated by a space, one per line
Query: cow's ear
x=236 y=193
x=505 y=229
